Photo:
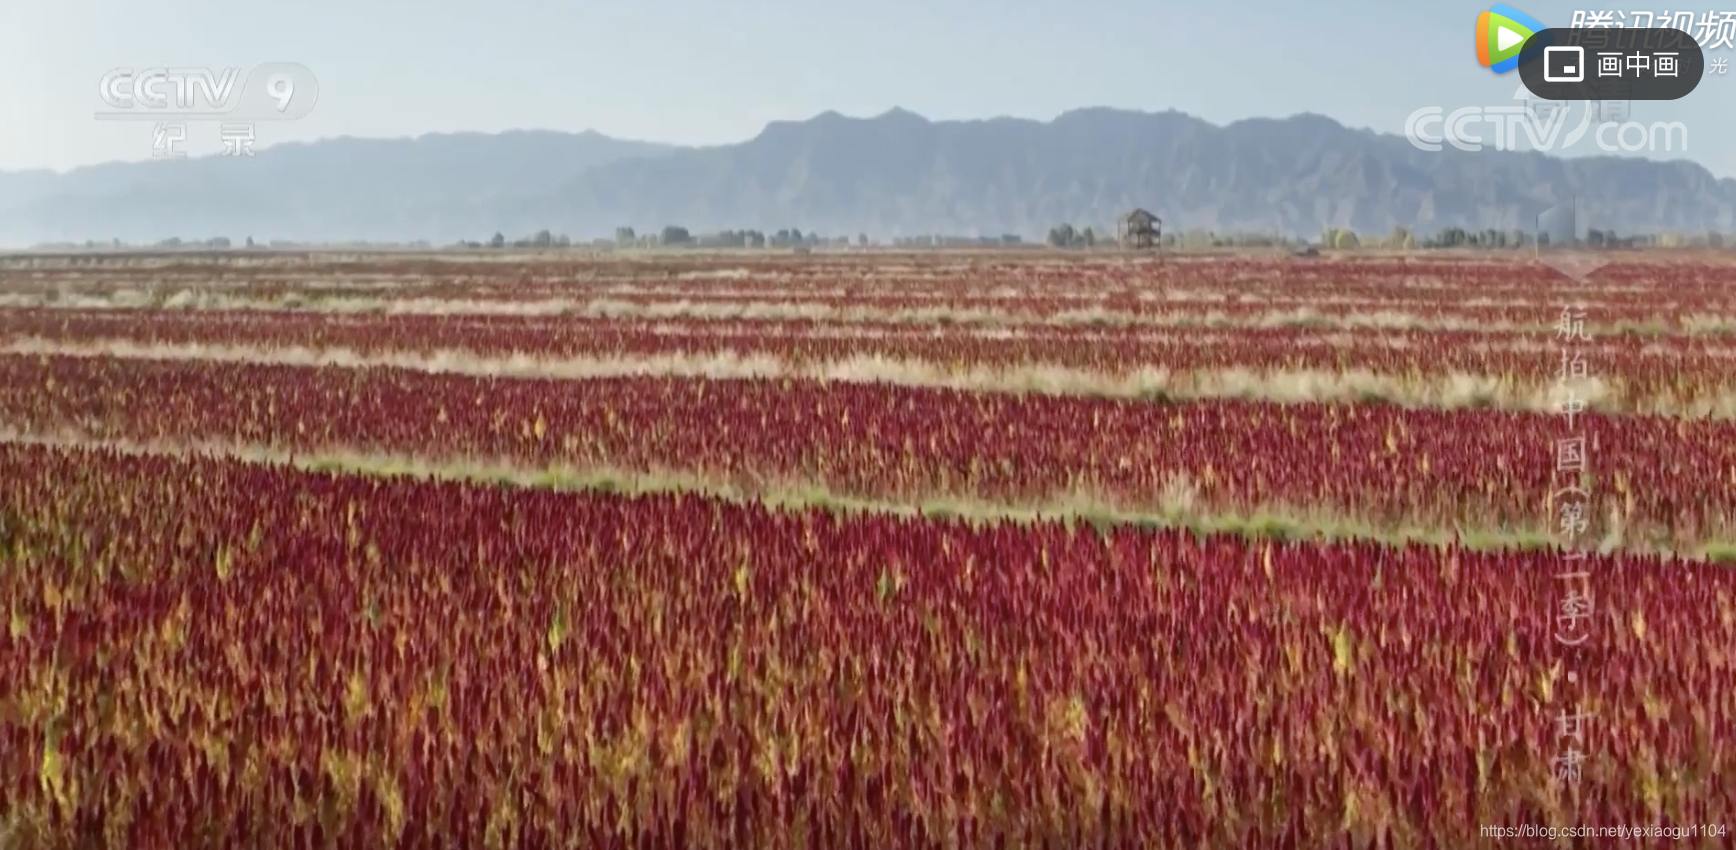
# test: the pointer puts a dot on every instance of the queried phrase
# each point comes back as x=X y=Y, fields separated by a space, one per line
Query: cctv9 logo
x=278 y=91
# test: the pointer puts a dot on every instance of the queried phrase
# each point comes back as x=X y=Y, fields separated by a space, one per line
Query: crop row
x=204 y=652
x=1513 y=275
x=582 y=334
x=468 y=297
x=1636 y=371
x=1510 y=291
x=1649 y=475
x=1658 y=314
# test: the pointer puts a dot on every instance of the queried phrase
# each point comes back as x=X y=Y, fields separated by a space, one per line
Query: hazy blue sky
x=714 y=72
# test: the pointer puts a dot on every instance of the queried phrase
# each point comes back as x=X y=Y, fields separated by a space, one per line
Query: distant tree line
x=1399 y=238
x=1066 y=236
x=677 y=236
x=223 y=243
x=1498 y=239
x=541 y=239
x=941 y=240
x=1059 y=236
x=216 y=243
x=1070 y=236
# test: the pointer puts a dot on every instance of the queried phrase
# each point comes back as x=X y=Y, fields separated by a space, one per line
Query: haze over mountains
x=893 y=174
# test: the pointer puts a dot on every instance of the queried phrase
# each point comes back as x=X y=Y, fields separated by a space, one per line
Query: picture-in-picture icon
x=1564 y=64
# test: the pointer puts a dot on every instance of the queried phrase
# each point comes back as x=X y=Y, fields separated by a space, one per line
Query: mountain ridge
x=895 y=173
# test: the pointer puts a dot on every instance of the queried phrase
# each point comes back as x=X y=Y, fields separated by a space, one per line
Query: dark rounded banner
x=1611 y=64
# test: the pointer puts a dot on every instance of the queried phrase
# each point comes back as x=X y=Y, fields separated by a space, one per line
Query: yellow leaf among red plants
x=391 y=799
x=51 y=595
x=224 y=563
x=17 y=622
x=743 y=580
x=52 y=772
x=1343 y=650
x=356 y=699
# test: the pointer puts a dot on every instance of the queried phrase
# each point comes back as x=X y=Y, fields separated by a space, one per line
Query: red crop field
x=863 y=549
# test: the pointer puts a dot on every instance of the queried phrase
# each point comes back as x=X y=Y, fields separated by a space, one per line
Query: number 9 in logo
x=281 y=88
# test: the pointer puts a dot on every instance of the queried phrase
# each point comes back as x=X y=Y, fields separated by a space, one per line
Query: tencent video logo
x=1501 y=35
